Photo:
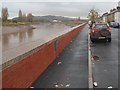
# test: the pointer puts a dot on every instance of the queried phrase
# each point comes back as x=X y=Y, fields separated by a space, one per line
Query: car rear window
x=116 y=23
x=101 y=26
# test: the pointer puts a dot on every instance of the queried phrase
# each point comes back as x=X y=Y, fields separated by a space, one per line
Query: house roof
x=105 y=14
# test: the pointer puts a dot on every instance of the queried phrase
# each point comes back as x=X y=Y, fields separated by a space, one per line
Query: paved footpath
x=70 y=69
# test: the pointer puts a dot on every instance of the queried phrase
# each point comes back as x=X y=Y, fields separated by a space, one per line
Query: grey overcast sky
x=70 y=9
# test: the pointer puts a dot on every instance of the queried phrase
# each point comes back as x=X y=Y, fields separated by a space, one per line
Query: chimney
x=118 y=8
x=111 y=10
x=114 y=9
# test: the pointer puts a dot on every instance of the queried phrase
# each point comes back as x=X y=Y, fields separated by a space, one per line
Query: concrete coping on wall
x=15 y=55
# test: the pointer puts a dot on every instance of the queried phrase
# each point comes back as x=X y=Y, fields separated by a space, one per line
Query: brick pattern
x=23 y=73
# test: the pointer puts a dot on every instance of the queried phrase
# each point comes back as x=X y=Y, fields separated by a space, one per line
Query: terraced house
x=113 y=15
x=104 y=17
x=117 y=14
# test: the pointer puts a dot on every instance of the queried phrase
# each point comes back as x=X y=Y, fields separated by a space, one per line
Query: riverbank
x=15 y=29
x=8 y=23
x=20 y=27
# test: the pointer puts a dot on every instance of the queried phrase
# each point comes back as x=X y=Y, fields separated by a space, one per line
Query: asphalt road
x=70 y=69
x=105 y=62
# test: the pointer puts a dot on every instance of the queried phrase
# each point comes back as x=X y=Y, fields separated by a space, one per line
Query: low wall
x=23 y=73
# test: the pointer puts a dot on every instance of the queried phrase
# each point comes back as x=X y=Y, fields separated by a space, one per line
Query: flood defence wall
x=23 y=73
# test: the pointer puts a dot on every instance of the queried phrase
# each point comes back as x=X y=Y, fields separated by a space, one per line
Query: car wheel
x=109 y=40
x=93 y=41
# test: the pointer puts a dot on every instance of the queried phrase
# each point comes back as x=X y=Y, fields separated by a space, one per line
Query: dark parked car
x=111 y=24
x=116 y=25
x=100 y=31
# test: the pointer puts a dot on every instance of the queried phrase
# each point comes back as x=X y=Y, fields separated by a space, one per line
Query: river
x=17 y=43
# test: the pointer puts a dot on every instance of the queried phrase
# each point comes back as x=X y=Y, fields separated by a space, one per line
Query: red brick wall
x=23 y=73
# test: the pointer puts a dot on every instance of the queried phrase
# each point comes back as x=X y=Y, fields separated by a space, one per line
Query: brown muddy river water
x=18 y=42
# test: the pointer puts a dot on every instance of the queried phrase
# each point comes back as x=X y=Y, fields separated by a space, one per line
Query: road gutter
x=90 y=79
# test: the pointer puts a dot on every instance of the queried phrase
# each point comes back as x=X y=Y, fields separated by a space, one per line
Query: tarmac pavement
x=70 y=69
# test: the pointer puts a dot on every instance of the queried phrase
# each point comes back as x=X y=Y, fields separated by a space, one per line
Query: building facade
x=104 y=17
x=117 y=15
x=119 y=3
x=113 y=15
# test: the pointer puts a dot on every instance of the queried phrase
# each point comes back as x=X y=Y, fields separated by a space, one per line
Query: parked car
x=100 y=31
x=111 y=24
x=116 y=25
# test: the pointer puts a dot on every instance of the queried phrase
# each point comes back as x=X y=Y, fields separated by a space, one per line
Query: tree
x=29 y=17
x=20 y=15
x=93 y=15
x=4 y=14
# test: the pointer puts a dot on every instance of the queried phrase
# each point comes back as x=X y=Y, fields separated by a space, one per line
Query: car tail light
x=93 y=30
x=109 y=29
